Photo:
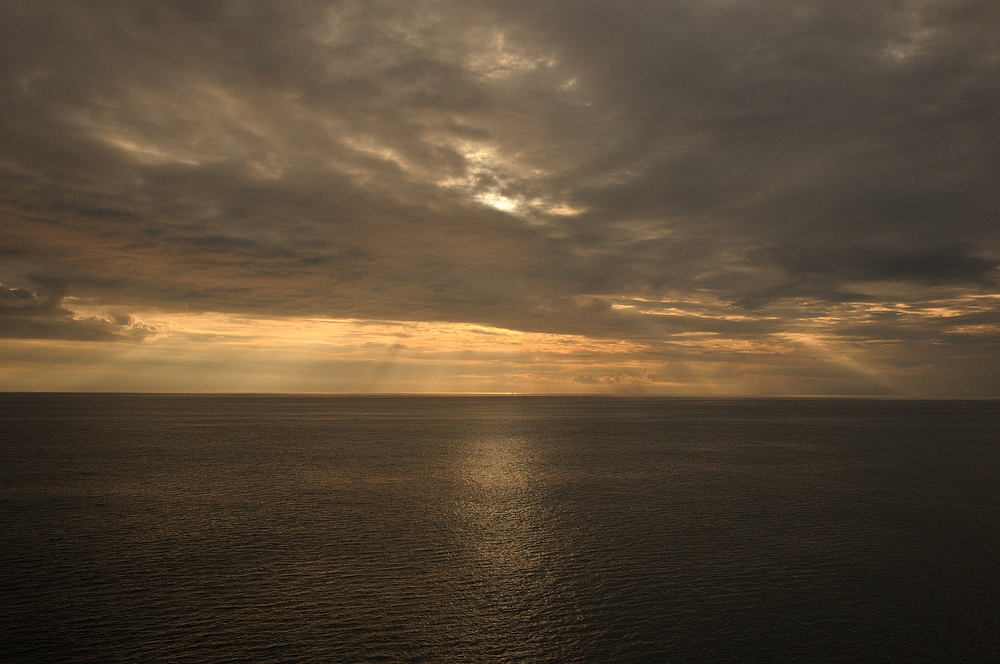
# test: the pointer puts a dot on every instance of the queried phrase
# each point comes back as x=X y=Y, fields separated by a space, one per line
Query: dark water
x=236 y=528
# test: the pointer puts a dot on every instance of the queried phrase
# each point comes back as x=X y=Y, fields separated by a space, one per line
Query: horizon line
x=508 y=394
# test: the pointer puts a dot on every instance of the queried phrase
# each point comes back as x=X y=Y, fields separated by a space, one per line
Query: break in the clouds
x=708 y=195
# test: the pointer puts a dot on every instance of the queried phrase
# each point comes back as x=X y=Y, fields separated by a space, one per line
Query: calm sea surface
x=272 y=528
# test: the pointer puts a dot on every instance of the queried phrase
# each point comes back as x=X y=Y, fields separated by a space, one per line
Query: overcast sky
x=703 y=196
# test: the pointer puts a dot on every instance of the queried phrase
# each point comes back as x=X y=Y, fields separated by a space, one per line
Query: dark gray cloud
x=941 y=264
x=632 y=169
x=25 y=314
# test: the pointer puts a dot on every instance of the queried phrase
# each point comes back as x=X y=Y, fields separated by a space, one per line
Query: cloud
x=943 y=264
x=636 y=170
x=25 y=314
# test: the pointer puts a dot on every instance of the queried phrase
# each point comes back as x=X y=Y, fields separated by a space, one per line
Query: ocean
x=190 y=528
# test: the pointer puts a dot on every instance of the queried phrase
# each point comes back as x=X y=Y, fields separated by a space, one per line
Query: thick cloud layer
x=650 y=171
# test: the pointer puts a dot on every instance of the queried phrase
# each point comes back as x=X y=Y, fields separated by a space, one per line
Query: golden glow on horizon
x=436 y=338
x=192 y=352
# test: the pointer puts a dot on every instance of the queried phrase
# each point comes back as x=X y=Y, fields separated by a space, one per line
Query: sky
x=738 y=197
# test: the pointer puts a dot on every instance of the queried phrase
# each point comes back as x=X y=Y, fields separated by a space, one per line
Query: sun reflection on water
x=497 y=508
